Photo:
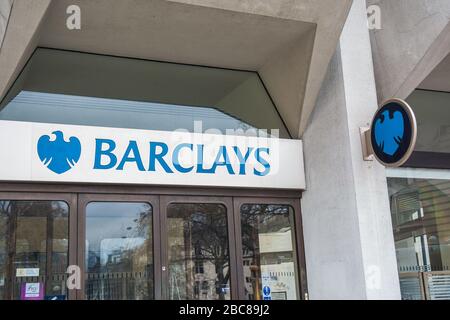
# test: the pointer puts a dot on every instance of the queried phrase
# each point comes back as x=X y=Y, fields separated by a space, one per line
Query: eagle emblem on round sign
x=393 y=133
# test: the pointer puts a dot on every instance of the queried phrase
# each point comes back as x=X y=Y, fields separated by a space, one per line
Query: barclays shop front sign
x=84 y=154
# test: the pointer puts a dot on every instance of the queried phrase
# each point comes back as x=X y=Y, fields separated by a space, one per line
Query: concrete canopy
x=289 y=43
x=5 y=10
x=413 y=40
x=439 y=78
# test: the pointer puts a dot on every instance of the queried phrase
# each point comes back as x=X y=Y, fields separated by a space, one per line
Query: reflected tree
x=205 y=240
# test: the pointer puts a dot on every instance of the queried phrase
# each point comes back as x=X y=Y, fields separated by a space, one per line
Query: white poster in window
x=27 y=272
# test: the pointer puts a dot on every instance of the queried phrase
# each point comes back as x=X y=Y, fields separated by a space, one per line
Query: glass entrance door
x=118 y=257
x=269 y=249
x=198 y=249
x=37 y=241
x=148 y=246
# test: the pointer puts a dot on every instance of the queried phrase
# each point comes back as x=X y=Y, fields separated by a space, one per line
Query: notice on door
x=27 y=272
x=32 y=291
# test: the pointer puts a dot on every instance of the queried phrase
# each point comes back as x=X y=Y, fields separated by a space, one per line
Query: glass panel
x=410 y=286
x=86 y=89
x=269 y=252
x=433 y=120
x=34 y=245
x=199 y=256
x=420 y=209
x=119 y=251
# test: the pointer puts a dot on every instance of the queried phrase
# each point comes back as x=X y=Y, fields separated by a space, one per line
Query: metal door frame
x=78 y=195
x=145 y=190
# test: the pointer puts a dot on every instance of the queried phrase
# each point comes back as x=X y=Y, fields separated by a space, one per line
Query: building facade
x=212 y=150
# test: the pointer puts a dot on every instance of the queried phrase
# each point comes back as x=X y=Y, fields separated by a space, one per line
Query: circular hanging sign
x=393 y=133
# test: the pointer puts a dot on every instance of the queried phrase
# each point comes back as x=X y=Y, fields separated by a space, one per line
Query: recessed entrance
x=141 y=243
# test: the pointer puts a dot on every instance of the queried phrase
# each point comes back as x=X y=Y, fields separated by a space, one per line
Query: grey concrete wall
x=329 y=17
x=349 y=245
x=5 y=10
x=414 y=38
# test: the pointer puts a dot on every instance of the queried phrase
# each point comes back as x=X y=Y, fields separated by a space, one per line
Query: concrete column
x=349 y=245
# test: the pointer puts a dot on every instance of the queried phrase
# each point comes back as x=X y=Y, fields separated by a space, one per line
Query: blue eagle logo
x=389 y=131
x=58 y=155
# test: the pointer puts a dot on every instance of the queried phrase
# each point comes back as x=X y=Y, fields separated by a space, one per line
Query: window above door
x=66 y=87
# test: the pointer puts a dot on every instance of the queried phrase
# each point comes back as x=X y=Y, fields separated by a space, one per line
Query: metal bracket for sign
x=365 y=143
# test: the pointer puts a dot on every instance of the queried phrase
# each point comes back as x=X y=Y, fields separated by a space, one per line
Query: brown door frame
x=84 y=199
x=228 y=203
x=158 y=196
x=71 y=200
x=300 y=252
x=145 y=190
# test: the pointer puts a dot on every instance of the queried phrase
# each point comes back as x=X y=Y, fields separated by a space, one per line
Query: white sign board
x=27 y=272
x=67 y=153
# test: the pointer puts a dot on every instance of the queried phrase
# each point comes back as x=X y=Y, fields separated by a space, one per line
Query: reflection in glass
x=420 y=211
x=92 y=111
x=65 y=87
x=119 y=255
x=433 y=120
x=33 y=235
x=198 y=252
x=269 y=255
